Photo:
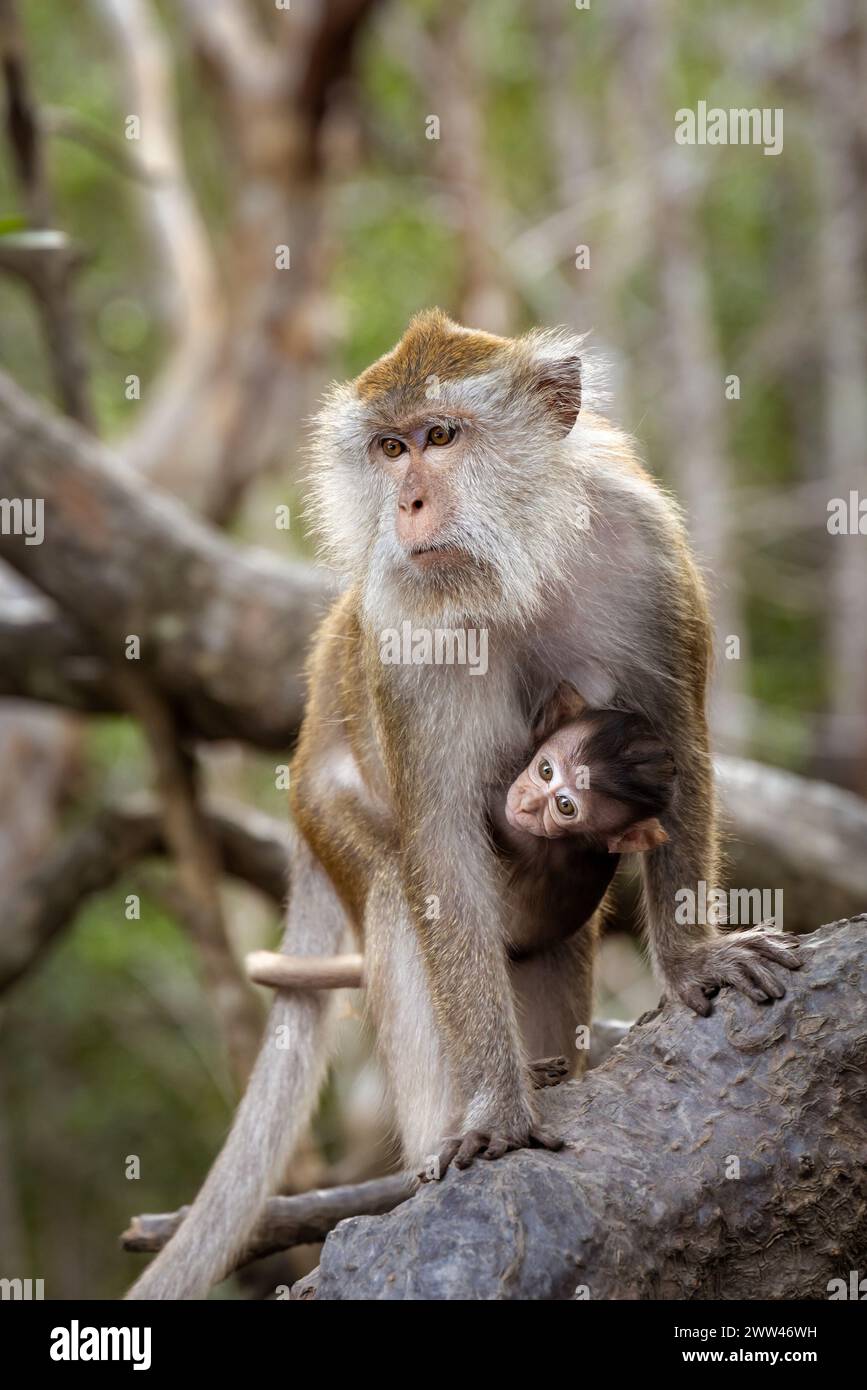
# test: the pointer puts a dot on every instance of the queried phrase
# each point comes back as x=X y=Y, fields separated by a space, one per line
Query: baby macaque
x=601 y=775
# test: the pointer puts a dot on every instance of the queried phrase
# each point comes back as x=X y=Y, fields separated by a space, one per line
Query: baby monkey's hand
x=548 y=1071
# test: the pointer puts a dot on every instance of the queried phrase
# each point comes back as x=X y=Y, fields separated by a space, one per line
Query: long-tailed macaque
x=465 y=481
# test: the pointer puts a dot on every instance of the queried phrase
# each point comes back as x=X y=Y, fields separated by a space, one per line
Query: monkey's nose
x=418 y=516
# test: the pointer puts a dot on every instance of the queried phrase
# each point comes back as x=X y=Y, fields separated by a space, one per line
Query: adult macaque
x=462 y=482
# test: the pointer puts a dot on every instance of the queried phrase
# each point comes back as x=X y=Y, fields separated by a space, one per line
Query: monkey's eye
x=565 y=805
x=545 y=770
x=440 y=435
x=392 y=448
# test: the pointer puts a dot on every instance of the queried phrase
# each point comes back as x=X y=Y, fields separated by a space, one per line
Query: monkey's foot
x=461 y=1149
x=548 y=1071
x=742 y=959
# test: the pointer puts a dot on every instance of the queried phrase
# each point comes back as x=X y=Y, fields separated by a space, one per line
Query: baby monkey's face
x=554 y=796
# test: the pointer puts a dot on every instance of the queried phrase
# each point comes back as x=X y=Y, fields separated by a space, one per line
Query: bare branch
x=182 y=248
x=234 y=48
x=802 y=836
x=48 y=271
x=199 y=871
x=287 y=1221
x=223 y=632
x=253 y=848
x=188 y=286
x=310 y=1216
x=45 y=657
x=66 y=124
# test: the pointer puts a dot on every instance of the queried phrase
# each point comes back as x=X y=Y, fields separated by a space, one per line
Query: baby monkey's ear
x=637 y=838
x=560 y=708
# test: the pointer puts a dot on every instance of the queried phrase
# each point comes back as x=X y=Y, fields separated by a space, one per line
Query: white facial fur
x=511 y=467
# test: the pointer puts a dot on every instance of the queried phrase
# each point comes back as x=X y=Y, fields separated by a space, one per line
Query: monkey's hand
x=548 y=1071
x=461 y=1149
x=742 y=959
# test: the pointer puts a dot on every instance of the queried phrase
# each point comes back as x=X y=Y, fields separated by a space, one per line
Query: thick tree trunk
x=708 y=1158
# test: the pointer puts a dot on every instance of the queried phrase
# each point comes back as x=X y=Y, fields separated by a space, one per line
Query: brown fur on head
x=600 y=775
x=481 y=519
x=433 y=347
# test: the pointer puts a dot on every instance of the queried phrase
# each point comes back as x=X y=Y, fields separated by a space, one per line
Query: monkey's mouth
x=440 y=553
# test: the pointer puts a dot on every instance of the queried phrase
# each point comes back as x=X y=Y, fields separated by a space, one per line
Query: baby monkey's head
x=602 y=775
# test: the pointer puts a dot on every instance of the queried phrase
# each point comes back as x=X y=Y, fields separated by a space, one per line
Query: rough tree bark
x=309 y=1216
x=645 y=1202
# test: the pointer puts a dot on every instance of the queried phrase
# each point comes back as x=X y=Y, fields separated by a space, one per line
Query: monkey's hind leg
x=554 y=999
x=408 y=1036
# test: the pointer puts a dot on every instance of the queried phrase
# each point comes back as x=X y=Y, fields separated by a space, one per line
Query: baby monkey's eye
x=392 y=448
x=545 y=770
x=440 y=435
x=565 y=805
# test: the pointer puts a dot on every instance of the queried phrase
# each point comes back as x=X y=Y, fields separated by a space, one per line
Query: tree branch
x=45 y=657
x=199 y=868
x=310 y=1216
x=48 y=269
x=795 y=834
x=253 y=848
x=287 y=1221
x=223 y=631
x=706 y=1159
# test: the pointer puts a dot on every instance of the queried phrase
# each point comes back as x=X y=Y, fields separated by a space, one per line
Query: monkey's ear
x=642 y=836
x=560 y=708
x=558 y=383
x=650 y=750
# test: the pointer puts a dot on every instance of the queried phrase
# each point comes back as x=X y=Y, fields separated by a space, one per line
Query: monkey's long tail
x=275 y=1109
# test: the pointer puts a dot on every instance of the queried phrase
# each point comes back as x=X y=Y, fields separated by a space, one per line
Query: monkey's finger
x=765 y=977
x=784 y=954
x=742 y=979
x=472 y=1144
x=443 y=1159
x=694 y=996
x=781 y=938
x=497 y=1147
